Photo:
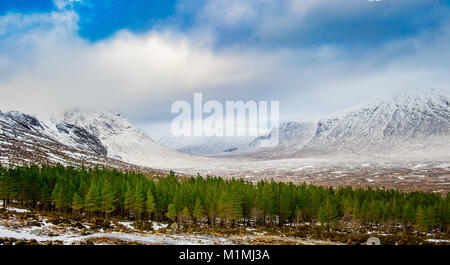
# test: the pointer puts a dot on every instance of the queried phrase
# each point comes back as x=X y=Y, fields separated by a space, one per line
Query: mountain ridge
x=409 y=125
x=401 y=119
x=26 y=140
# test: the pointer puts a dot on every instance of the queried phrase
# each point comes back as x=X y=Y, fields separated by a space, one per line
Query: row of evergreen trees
x=215 y=201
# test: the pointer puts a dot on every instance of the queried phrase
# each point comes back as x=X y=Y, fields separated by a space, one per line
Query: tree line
x=214 y=200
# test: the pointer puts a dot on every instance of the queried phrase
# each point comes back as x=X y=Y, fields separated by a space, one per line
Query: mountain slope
x=122 y=139
x=85 y=137
x=293 y=135
x=411 y=125
x=64 y=133
x=212 y=145
x=414 y=120
x=26 y=140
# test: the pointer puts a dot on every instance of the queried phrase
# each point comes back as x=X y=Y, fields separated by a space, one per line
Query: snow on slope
x=25 y=140
x=64 y=133
x=411 y=115
x=411 y=123
x=418 y=121
x=123 y=140
x=74 y=136
x=86 y=137
x=293 y=135
x=212 y=145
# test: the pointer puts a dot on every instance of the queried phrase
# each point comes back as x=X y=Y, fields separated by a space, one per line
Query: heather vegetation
x=216 y=202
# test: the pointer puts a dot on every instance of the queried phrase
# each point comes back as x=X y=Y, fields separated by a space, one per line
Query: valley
x=380 y=169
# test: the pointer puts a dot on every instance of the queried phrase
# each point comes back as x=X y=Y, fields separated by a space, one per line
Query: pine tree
x=129 y=198
x=108 y=198
x=365 y=211
x=199 y=212
x=387 y=213
x=442 y=216
x=93 y=200
x=58 y=196
x=266 y=201
x=284 y=209
x=225 y=206
x=150 y=203
x=429 y=217
x=212 y=212
x=332 y=213
x=139 y=200
x=77 y=203
x=186 y=213
x=171 y=211
x=178 y=200
x=298 y=215
x=421 y=220
x=408 y=214
x=328 y=214
x=84 y=187
x=46 y=195
x=322 y=216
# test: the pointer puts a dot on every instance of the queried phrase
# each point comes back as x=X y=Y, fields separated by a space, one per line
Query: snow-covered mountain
x=64 y=133
x=291 y=135
x=410 y=124
x=24 y=139
x=94 y=135
x=122 y=139
x=207 y=145
x=405 y=121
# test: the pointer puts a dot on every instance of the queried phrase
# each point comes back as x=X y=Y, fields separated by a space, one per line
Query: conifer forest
x=216 y=202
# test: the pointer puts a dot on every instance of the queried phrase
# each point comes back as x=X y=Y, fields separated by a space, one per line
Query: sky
x=138 y=57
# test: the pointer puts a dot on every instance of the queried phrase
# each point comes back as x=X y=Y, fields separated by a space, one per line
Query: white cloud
x=16 y=23
x=266 y=19
x=47 y=66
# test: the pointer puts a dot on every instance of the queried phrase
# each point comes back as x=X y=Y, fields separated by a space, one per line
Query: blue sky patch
x=101 y=19
x=374 y=24
x=19 y=6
